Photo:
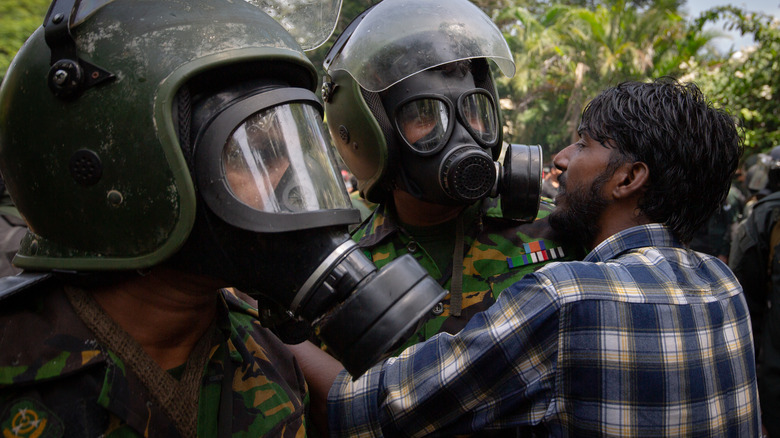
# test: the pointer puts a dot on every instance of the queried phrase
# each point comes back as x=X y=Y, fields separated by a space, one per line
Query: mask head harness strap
x=69 y=75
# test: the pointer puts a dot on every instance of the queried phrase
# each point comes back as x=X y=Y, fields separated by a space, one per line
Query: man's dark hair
x=691 y=149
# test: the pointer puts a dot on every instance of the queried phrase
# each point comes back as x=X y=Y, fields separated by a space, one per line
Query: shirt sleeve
x=498 y=372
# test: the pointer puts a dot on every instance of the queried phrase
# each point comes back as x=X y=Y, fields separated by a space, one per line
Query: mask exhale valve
x=366 y=313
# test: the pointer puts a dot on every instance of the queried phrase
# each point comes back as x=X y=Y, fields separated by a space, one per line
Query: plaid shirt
x=642 y=338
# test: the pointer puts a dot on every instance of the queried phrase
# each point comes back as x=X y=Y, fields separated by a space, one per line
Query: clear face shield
x=310 y=22
x=404 y=37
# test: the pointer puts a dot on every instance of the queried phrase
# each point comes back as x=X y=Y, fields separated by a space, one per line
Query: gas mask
x=402 y=116
x=447 y=131
x=276 y=211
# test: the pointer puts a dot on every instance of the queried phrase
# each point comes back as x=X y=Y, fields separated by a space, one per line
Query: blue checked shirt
x=642 y=338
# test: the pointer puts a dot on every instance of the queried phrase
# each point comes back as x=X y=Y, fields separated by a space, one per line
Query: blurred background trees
x=565 y=54
x=18 y=19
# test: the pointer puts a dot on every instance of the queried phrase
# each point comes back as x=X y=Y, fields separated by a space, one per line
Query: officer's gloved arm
x=320 y=370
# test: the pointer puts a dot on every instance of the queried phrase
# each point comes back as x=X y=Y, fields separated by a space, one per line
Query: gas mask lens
x=478 y=115
x=276 y=161
x=425 y=122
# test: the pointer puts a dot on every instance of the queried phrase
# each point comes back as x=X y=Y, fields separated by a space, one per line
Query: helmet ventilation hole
x=86 y=167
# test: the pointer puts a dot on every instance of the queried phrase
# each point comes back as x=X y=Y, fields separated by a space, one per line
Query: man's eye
x=232 y=153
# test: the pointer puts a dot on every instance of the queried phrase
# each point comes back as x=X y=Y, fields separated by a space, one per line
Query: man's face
x=254 y=165
x=581 y=200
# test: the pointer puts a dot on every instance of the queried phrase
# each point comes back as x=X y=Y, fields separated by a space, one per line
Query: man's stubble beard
x=578 y=216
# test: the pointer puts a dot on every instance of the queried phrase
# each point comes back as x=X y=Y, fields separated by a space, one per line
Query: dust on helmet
x=390 y=42
x=92 y=158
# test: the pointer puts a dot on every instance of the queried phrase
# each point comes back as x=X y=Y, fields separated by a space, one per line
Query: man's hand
x=320 y=370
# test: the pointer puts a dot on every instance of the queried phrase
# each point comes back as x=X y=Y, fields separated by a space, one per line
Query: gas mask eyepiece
x=267 y=174
x=426 y=123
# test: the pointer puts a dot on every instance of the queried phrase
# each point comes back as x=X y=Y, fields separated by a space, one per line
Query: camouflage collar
x=383 y=222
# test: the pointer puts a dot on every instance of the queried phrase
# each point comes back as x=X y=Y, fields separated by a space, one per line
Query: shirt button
x=438 y=309
x=412 y=247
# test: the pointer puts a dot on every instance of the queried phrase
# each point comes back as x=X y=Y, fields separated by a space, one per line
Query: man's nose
x=561 y=160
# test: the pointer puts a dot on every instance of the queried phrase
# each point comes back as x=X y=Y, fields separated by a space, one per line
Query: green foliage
x=567 y=54
x=18 y=19
x=745 y=83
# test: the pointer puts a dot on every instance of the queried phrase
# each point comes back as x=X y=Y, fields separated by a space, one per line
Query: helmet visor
x=276 y=161
x=311 y=23
x=399 y=38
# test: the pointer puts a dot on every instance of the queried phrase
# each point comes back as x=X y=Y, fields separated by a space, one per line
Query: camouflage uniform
x=755 y=260
x=497 y=253
x=56 y=380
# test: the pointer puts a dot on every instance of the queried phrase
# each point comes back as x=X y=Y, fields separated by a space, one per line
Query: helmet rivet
x=344 y=133
x=34 y=247
x=58 y=18
x=355 y=146
x=115 y=198
x=66 y=78
x=60 y=77
x=328 y=88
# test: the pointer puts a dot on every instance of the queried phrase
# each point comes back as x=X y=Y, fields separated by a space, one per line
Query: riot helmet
x=138 y=133
x=411 y=104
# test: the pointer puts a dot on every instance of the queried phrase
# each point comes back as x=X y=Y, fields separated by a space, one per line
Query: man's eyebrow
x=584 y=133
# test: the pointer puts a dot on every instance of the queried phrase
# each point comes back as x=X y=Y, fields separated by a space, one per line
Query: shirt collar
x=640 y=236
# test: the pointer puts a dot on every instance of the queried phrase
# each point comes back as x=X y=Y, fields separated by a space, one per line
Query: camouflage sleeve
x=269 y=383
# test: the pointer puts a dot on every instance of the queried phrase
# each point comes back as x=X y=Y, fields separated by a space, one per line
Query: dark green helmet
x=95 y=165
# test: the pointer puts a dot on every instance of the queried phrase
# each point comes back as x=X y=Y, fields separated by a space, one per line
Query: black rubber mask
x=448 y=135
x=446 y=128
x=273 y=222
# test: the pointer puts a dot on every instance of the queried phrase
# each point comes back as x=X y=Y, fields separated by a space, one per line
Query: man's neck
x=418 y=213
x=615 y=220
x=166 y=312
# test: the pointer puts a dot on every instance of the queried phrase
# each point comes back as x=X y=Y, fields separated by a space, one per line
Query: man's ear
x=630 y=180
